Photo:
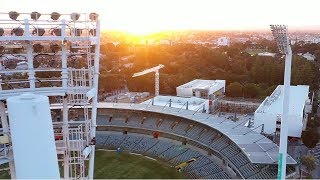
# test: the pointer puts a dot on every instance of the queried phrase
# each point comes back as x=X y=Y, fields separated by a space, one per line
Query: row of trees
x=246 y=75
x=249 y=90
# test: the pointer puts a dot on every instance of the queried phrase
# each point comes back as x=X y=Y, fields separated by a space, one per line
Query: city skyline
x=145 y=16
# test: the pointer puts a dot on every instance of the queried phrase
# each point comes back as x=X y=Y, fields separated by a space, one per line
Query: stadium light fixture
x=17 y=31
x=93 y=32
x=55 y=16
x=78 y=31
x=13 y=15
x=93 y=16
x=74 y=16
x=56 y=31
x=280 y=33
x=55 y=48
x=35 y=15
x=38 y=31
x=37 y=48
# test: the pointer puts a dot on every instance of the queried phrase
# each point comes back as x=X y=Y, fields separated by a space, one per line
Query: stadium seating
x=163 y=149
x=144 y=145
x=167 y=151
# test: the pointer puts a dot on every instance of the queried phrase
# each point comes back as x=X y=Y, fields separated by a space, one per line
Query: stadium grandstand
x=223 y=149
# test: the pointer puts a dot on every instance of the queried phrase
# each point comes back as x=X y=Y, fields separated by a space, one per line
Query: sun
x=141 y=30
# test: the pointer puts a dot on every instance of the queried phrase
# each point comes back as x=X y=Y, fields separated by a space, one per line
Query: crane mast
x=157 y=76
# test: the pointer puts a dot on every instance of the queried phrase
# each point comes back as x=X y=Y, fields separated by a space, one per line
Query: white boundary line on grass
x=129 y=153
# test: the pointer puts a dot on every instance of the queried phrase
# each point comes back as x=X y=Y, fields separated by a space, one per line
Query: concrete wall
x=269 y=121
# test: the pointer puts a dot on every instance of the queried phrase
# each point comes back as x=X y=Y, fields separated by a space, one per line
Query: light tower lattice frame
x=65 y=68
x=280 y=33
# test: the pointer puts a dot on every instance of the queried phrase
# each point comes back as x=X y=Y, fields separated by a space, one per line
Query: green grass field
x=110 y=165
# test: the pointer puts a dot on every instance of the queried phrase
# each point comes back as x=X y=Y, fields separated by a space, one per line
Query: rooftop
x=255 y=146
x=203 y=84
x=273 y=103
x=194 y=103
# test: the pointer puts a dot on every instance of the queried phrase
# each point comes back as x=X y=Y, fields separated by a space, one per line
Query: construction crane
x=156 y=70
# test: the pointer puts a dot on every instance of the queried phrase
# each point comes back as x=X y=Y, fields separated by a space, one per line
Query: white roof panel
x=256 y=147
x=273 y=103
x=202 y=84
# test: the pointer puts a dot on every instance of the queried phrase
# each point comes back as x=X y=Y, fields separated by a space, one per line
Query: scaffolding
x=56 y=55
x=236 y=107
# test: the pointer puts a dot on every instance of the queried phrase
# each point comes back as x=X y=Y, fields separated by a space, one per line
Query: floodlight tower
x=280 y=33
x=46 y=44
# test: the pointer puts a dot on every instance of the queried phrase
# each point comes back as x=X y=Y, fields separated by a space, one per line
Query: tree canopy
x=310 y=137
x=257 y=75
x=309 y=161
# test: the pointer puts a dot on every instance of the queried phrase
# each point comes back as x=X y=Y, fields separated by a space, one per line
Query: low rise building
x=308 y=56
x=207 y=89
x=268 y=115
x=267 y=54
x=223 y=41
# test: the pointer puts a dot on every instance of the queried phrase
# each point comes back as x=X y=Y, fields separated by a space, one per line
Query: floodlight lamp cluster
x=280 y=34
x=54 y=16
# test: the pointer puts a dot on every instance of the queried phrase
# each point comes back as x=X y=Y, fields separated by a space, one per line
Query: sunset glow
x=146 y=16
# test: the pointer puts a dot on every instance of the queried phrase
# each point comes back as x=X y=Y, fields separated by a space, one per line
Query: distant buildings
x=223 y=41
x=311 y=39
x=308 y=56
x=268 y=115
x=267 y=54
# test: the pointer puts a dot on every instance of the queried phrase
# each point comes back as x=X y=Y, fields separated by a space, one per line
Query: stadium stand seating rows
x=171 y=152
x=183 y=127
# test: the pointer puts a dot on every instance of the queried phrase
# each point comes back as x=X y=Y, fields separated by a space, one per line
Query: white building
x=223 y=41
x=308 y=56
x=190 y=103
x=267 y=54
x=207 y=89
x=271 y=109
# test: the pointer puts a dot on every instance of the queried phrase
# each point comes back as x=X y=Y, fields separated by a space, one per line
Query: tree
x=234 y=89
x=251 y=90
x=317 y=55
x=313 y=122
x=309 y=161
x=310 y=137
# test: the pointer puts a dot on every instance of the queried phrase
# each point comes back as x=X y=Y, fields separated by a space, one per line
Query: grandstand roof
x=256 y=147
x=273 y=103
x=194 y=103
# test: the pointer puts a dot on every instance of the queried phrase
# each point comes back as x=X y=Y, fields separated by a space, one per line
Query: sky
x=144 y=16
